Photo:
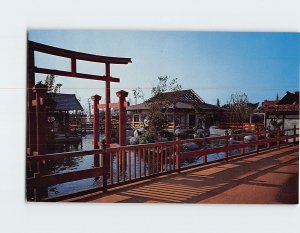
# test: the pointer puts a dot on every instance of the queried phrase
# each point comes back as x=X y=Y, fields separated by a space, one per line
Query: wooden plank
x=153 y=162
x=190 y=154
x=174 y=156
x=166 y=159
x=73 y=66
x=123 y=153
x=144 y=161
x=112 y=105
x=157 y=159
x=140 y=163
x=234 y=147
x=149 y=145
x=111 y=172
x=129 y=165
x=53 y=179
x=134 y=163
x=118 y=166
x=63 y=155
x=76 y=55
x=74 y=75
x=217 y=150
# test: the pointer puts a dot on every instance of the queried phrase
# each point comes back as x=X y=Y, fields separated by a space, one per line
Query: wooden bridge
x=268 y=177
x=244 y=170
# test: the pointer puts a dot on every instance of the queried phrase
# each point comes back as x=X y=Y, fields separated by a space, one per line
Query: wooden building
x=187 y=110
x=63 y=113
x=283 y=113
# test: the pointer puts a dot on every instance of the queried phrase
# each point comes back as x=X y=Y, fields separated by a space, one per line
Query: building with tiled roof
x=183 y=111
x=284 y=111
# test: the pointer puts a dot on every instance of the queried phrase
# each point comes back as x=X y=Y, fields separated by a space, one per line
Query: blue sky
x=214 y=64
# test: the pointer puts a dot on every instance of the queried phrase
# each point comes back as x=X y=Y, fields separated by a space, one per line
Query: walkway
x=263 y=178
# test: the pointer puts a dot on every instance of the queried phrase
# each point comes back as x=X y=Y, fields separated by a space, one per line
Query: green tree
x=50 y=83
x=218 y=102
x=160 y=104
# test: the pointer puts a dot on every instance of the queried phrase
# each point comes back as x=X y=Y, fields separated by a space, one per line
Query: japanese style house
x=62 y=113
x=187 y=110
x=284 y=112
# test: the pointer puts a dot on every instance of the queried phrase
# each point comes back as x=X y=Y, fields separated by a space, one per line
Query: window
x=136 y=118
x=169 y=118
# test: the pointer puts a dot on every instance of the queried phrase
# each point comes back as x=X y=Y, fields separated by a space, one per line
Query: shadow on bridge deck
x=264 y=178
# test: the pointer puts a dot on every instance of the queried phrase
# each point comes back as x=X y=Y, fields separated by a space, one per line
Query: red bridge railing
x=127 y=164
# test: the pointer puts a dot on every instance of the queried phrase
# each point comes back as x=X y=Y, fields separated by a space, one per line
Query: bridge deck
x=270 y=177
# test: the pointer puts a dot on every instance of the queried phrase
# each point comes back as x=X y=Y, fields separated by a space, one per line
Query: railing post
x=96 y=99
x=177 y=153
x=278 y=138
x=205 y=151
x=295 y=134
x=41 y=134
x=257 y=141
x=41 y=117
x=243 y=147
x=268 y=137
x=104 y=164
x=226 y=144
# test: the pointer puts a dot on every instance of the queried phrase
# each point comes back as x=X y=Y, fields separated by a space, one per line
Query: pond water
x=74 y=164
x=86 y=162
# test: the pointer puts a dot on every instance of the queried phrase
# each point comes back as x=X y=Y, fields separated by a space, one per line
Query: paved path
x=264 y=178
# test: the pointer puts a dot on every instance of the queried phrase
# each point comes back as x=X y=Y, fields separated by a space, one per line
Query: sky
x=213 y=64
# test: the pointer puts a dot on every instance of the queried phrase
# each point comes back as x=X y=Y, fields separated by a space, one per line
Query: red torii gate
x=121 y=105
x=35 y=94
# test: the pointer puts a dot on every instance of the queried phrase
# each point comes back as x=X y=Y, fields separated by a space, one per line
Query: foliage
x=160 y=104
x=50 y=83
x=239 y=108
x=156 y=119
x=138 y=94
x=57 y=88
x=147 y=137
x=218 y=102
x=164 y=86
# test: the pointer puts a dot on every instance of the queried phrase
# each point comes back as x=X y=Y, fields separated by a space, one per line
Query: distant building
x=283 y=113
x=60 y=108
x=188 y=111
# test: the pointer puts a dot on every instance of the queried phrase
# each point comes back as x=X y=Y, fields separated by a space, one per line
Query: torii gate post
x=96 y=99
x=122 y=117
x=107 y=108
x=121 y=105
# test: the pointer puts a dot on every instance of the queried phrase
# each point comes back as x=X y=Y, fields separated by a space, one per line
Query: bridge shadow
x=200 y=184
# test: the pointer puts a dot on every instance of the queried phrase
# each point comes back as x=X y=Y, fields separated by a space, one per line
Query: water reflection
x=72 y=164
x=144 y=165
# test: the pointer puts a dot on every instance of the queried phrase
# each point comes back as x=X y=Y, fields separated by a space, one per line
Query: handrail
x=126 y=164
x=63 y=155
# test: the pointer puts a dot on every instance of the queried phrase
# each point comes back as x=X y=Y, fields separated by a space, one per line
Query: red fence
x=126 y=164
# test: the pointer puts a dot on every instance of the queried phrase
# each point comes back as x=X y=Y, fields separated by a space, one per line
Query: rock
x=132 y=141
x=191 y=146
x=249 y=138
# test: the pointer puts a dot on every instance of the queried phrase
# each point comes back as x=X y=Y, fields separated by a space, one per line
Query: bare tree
x=239 y=108
x=138 y=94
